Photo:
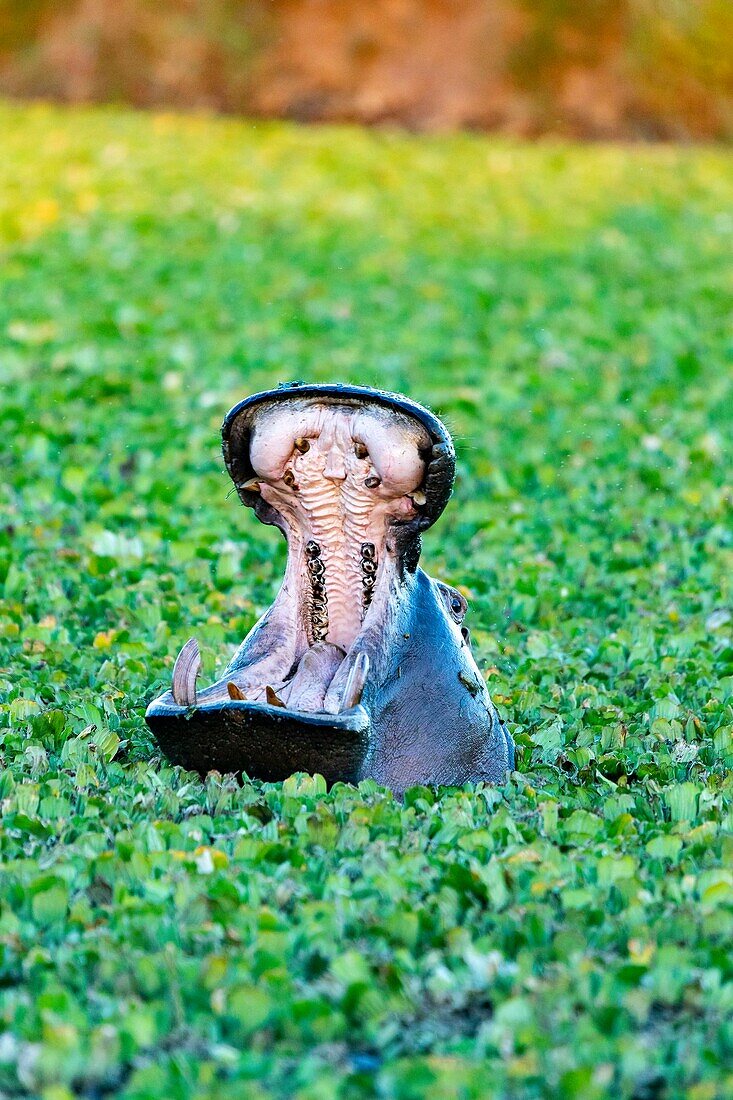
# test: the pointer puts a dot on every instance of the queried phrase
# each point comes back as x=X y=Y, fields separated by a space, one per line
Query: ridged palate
x=338 y=477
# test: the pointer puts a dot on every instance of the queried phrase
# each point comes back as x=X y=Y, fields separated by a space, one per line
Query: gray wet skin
x=362 y=666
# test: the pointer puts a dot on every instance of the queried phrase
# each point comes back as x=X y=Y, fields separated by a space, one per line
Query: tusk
x=419 y=497
x=234 y=691
x=251 y=486
x=185 y=673
x=273 y=700
x=355 y=683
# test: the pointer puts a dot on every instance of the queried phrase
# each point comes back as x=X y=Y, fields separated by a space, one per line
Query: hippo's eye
x=302 y=445
x=361 y=450
x=456 y=605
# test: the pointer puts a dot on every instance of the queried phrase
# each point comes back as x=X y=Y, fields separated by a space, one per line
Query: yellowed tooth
x=251 y=486
x=185 y=673
x=273 y=699
x=235 y=692
x=419 y=497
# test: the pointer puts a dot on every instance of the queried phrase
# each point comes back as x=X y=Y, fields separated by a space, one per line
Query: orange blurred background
x=628 y=69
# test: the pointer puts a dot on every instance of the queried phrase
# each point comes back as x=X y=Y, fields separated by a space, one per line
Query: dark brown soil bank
x=582 y=68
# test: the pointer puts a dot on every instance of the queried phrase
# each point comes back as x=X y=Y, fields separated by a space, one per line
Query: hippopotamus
x=362 y=667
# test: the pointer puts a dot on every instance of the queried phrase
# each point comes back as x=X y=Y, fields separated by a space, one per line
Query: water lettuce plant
x=566 y=310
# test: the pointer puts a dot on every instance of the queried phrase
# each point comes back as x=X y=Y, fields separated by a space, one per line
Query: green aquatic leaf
x=566 y=310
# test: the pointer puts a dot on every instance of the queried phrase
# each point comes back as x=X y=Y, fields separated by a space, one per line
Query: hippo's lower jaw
x=265 y=741
x=360 y=667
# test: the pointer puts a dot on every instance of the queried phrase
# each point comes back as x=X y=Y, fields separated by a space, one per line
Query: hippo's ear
x=455 y=602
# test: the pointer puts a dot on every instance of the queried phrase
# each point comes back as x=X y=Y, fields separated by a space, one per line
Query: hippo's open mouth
x=351 y=476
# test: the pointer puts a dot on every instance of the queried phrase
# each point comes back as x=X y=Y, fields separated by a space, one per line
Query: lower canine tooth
x=235 y=692
x=355 y=683
x=185 y=672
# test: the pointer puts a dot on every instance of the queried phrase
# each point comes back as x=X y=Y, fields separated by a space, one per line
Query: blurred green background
x=566 y=309
x=581 y=68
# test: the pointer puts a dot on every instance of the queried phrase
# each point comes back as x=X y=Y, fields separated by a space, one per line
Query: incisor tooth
x=235 y=692
x=185 y=672
x=273 y=699
x=355 y=683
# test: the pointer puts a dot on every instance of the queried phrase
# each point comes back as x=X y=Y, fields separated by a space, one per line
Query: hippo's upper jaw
x=337 y=675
